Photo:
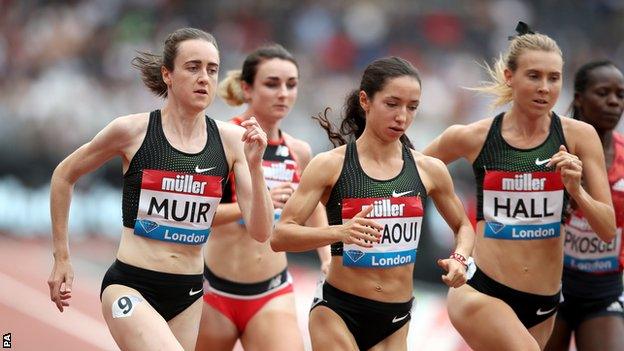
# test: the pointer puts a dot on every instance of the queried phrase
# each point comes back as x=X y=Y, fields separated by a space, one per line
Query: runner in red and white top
x=250 y=294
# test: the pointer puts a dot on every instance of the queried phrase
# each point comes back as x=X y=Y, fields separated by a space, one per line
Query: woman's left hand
x=456 y=272
x=570 y=167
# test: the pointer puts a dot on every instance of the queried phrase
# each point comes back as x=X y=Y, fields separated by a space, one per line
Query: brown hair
x=375 y=77
x=230 y=89
x=150 y=64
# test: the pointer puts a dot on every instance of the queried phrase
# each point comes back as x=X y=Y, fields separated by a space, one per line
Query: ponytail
x=230 y=89
x=149 y=65
x=525 y=40
x=352 y=125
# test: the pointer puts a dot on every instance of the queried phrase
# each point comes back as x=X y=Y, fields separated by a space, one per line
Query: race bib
x=522 y=206
x=401 y=218
x=276 y=173
x=586 y=252
x=177 y=207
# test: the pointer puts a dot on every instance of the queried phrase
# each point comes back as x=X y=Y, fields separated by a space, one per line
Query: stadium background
x=65 y=73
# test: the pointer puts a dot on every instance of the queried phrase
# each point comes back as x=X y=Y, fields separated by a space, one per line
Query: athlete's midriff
x=161 y=256
x=393 y=284
x=233 y=254
x=533 y=266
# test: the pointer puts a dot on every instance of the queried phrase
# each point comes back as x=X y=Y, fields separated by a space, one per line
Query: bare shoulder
x=473 y=132
x=327 y=165
x=299 y=145
x=429 y=165
x=229 y=130
x=575 y=127
x=231 y=135
x=302 y=149
x=126 y=129
x=577 y=133
x=333 y=158
x=460 y=141
x=433 y=172
x=133 y=122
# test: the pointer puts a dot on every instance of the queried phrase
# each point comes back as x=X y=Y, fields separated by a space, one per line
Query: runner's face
x=536 y=83
x=392 y=109
x=194 y=77
x=602 y=102
x=274 y=90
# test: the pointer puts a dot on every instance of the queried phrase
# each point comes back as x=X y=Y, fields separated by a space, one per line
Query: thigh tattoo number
x=124 y=306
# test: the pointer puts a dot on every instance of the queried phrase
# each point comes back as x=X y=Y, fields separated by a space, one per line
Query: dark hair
x=374 y=79
x=150 y=64
x=581 y=81
x=230 y=89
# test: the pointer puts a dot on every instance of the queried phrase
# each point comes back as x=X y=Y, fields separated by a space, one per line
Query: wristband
x=459 y=258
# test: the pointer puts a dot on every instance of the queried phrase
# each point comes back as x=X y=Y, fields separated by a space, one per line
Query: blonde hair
x=497 y=85
x=230 y=89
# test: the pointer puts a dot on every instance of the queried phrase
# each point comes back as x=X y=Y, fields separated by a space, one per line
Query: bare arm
x=291 y=235
x=108 y=143
x=318 y=217
x=587 y=162
x=440 y=189
x=253 y=197
x=459 y=141
x=227 y=213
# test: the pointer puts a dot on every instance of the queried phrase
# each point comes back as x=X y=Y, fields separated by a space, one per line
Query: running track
x=35 y=324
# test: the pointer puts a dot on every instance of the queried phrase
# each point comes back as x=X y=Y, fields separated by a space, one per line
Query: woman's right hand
x=60 y=282
x=360 y=230
x=255 y=140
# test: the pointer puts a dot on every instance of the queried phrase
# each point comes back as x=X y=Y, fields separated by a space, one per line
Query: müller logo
x=385 y=208
x=524 y=182
x=279 y=171
x=183 y=184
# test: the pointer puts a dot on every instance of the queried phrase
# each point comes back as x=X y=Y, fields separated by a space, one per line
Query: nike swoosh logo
x=395 y=319
x=395 y=194
x=541 y=162
x=202 y=170
x=191 y=293
x=541 y=313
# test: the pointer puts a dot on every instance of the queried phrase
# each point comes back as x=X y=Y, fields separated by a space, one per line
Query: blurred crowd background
x=65 y=73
